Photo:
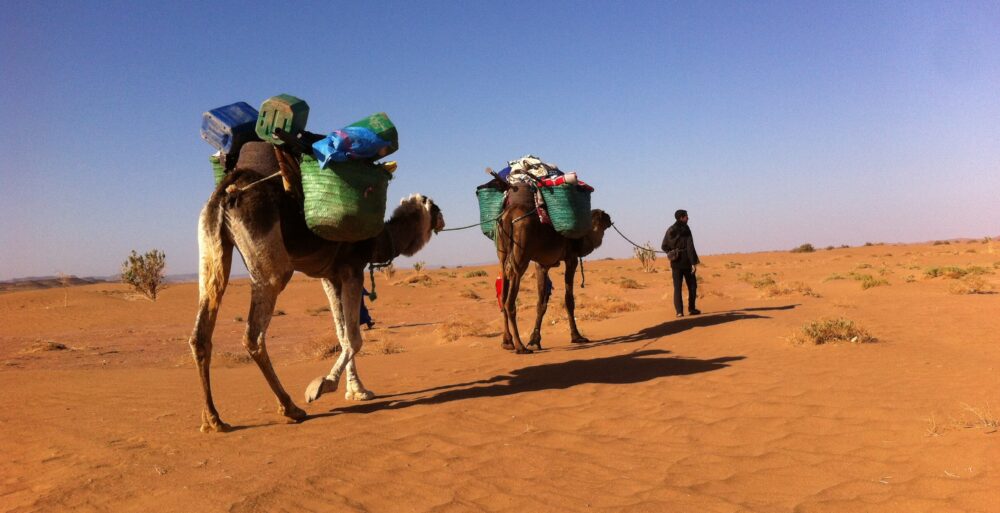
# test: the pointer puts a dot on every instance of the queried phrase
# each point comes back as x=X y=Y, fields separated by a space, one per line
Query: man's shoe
x=680 y=314
x=695 y=312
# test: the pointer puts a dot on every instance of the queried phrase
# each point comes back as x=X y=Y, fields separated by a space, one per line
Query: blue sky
x=773 y=123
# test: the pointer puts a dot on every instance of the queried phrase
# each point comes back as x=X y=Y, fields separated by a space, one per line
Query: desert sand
x=721 y=412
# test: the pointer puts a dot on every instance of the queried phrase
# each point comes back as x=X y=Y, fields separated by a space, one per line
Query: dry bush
x=478 y=273
x=647 y=257
x=421 y=279
x=835 y=276
x=469 y=294
x=603 y=308
x=627 y=283
x=971 y=285
x=388 y=270
x=829 y=248
x=455 y=329
x=376 y=347
x=144 y=273
x=733 y=265
x=982 y=417
x=758 y=282
x=863 y=266
x=955 y=272
x=828 y=331
x=233 y=358
x=796 y=287
x=805 y=248
x=419 y=266
x=871 y=282
x=321 y=348
x=910 y=278
x=941 y=243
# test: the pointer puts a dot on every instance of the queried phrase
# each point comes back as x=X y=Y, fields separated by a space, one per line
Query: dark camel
x=267 y=226
x=521 y=239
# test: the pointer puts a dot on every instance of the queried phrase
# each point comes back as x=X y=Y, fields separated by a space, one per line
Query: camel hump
x=521 y=195
x=258 y=156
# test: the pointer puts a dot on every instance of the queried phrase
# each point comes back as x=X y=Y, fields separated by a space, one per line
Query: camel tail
x=215 y=256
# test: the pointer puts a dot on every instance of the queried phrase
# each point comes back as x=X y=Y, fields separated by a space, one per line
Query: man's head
x=681 y=215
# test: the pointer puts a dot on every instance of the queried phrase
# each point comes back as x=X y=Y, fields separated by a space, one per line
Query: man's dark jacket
x=678 y=236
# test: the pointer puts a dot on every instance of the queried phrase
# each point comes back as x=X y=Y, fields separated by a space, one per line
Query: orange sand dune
x=716 y=413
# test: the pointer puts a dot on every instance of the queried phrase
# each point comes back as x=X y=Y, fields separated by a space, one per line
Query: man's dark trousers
x=686 y=274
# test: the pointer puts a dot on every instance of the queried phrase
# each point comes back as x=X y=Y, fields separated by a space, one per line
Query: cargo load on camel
x=337 y=178
x=560 y=199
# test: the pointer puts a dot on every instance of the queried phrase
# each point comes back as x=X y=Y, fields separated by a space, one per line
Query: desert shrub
x=419 y=266
x=829 y=248
x=796 y=287
x=469 y=294
x=869 y=244
x=421 y=279
x=733 y=265
x=910 y=278
x=828 y=331
x=455 y=329
x=144 y=273
x=321 y=348
x=844 y=246
x=941 y=243
x=375 y=347
x=41 y=346
x=863 y=266
x=233 y=358
x=478 y=273
x=758 y=282
x=805 y=248
x=868 y=281
x=647 y=257
x=388 y=270
x=955 y=272
x=971 y=284
x=835 y=276
x=629 y=283
x=603 y=308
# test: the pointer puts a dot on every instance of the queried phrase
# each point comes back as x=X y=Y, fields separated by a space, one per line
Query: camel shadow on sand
x=623 y=369
x=674 y=327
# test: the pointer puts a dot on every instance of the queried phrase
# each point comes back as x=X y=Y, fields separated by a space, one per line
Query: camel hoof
x=579 y=340
x=215 y=426
x=318 y=387
x=359 y=395
x=293 y=412
x=507 y=345
x=535 y=346
x=524 y=351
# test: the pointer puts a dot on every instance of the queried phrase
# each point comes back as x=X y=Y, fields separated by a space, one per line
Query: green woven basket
x=217 y=169
x=345 y=203
x=569 y=209
x=490 y=206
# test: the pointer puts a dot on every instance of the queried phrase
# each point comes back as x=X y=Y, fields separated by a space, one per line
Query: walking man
x=679 y=246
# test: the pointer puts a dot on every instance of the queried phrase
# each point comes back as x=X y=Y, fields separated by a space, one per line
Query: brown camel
x=267 y=226
x=521 y=239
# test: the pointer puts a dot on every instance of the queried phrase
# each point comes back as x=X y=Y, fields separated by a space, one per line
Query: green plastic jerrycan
x=283 y=111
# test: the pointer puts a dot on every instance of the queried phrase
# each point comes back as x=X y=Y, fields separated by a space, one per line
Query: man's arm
x=667 y=243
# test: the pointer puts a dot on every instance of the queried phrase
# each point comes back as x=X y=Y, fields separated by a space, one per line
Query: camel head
x=599 y=222
x=414 y=221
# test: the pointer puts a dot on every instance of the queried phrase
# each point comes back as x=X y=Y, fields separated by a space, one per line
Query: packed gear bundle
x=561 y=199
x=342 y=187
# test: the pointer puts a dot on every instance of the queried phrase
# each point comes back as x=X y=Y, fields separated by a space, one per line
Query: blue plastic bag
x=351 y=143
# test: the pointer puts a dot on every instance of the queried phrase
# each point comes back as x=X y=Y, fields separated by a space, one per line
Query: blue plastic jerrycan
x=227 y=128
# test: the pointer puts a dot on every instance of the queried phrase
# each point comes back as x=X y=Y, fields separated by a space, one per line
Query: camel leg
x=331 y=381
x=351 y=295
x=575 y=336
x=216 y=257
x=514 y=274
x=264 y=295
x=508 y=340
x=541 y=275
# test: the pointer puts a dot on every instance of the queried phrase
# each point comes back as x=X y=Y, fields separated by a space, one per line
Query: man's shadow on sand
x=624 y=369
x=673 y=327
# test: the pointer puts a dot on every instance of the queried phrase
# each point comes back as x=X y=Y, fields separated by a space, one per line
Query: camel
x=267 y=226
x=522 y=239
